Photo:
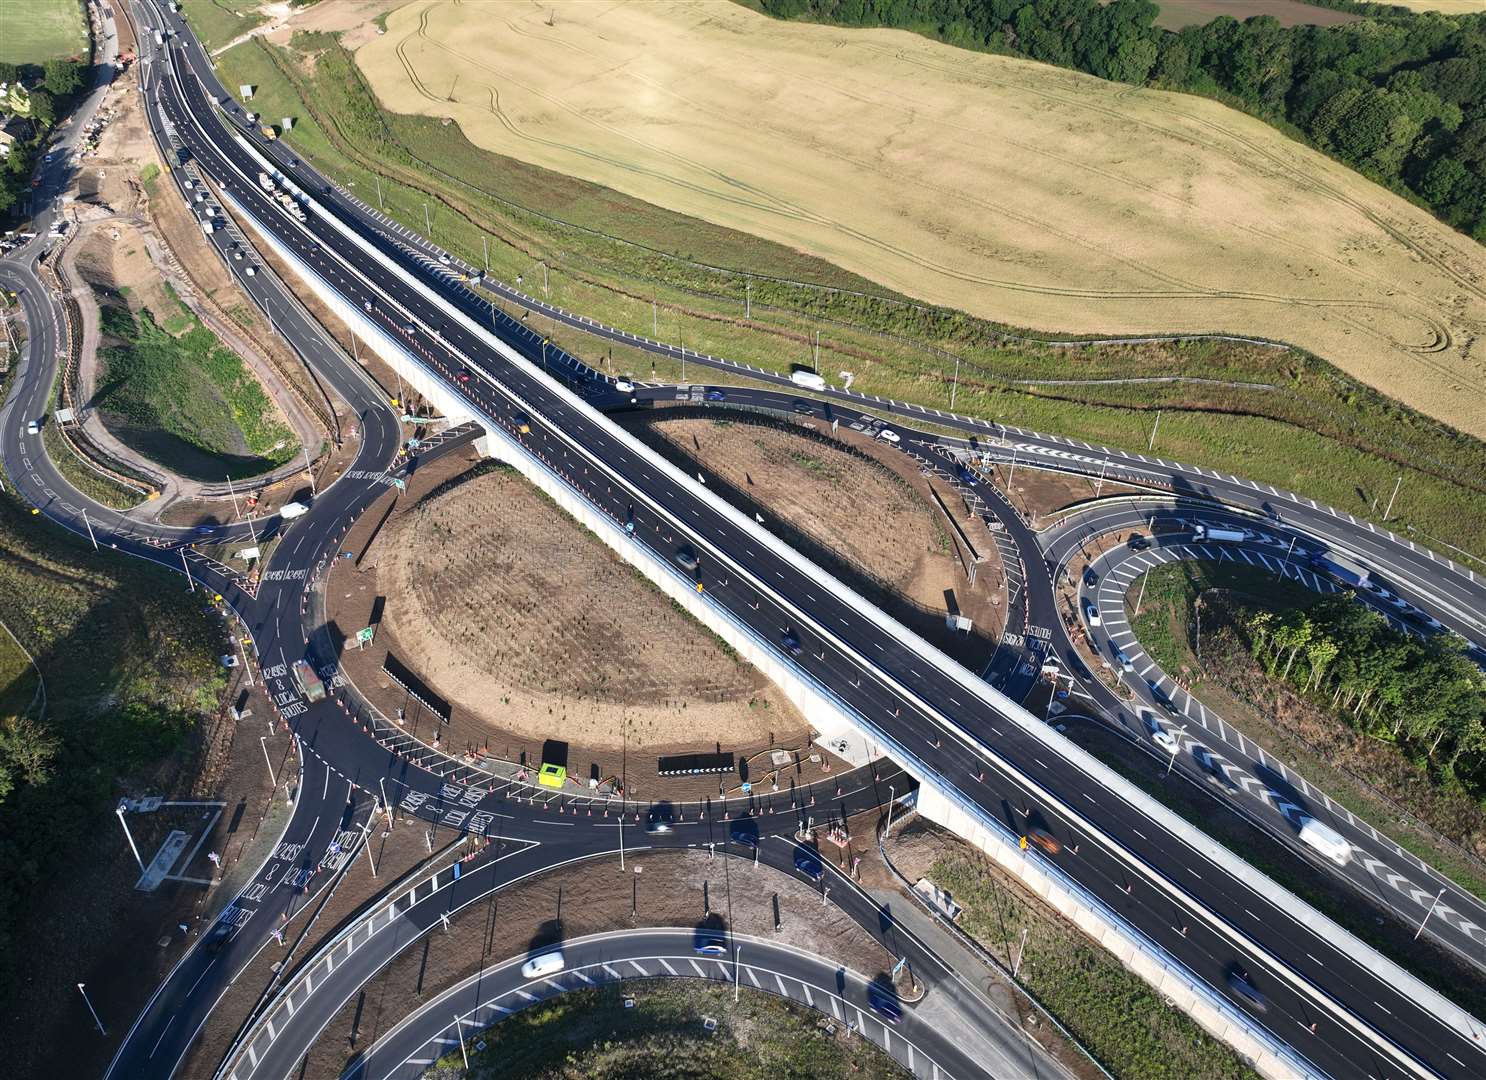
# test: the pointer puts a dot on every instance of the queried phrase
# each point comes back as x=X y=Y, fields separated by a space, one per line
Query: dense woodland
x=1399 y=96
x=1426 y=696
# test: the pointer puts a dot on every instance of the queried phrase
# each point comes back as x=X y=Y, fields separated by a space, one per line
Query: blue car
x=716 y=395
x=884 y=1004
x=809 y=865
x=743 y=834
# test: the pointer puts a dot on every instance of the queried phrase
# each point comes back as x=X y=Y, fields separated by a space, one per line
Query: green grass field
x=34 y=31
x=18 y=681
x=217 y=22
x=1276 y=416
x=177 y=394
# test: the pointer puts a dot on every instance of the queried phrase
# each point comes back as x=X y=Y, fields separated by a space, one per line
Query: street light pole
x=263 y=742
x=459 y=1030
x=309 y=467
x=1172 y=757
x=1438 y=897
x=81 y=988
x=187 y=568
x=1100 y=486
x=89 y=524
x=1396 y=484
x=954 y=386
x=892 y=797
x=127 y=836
x=1139 y=600
x=1151 y=445
x=386 y=806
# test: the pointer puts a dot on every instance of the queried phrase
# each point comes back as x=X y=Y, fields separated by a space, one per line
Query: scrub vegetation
x=1278 y=416
x=129 y=662
x=590 y=1034
x=177 y=393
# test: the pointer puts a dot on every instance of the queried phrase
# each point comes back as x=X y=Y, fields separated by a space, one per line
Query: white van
x=290 y=511
x=544 y=964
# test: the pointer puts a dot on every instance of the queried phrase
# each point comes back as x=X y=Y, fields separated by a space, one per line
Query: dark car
x=807 y=864
x=791 y=643
x=218 y=936
x=803 y=407
x=686 y=557
x=659 y=820
x=1138 y=542
x=884 y=1004
x=743 y=833
x=716 y=395
x=1246 y=991
x=1091 y=577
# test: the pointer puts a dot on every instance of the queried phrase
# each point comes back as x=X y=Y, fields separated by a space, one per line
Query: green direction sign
x=365 y=635
x=420 y=419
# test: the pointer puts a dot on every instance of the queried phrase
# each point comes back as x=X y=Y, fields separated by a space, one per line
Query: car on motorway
x=1091 y=612
x=547 y=963
x=1045 y=840
x=464 y=375
x=251 y=271
x=716 y=395
x=624 y=386
x=745 y=833
x=659 y=819
x=884 y=1003
x=686 y=557
x=523 y=423
x=804 y=408
x=1121 y=659
x=366 y=305
x=890 y=436
x=409 y=329
x=808 y=864
x=1244 y=989
x=791 y=642
x=237 y=254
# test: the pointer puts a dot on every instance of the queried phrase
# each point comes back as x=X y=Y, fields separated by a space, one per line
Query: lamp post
x=82 y=989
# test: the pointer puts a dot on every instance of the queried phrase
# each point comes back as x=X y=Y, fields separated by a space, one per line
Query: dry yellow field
x=1011 y=190
x=1445 y=7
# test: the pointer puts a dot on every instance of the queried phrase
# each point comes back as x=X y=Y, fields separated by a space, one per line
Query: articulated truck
x=1213 y=532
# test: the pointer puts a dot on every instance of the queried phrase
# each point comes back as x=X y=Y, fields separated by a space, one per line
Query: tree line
x=48 y=86
x=1425 y=695
x=1397 y=95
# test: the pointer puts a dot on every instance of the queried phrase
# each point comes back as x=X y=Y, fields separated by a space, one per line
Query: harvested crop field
x=521 y=617
x=1011 y=190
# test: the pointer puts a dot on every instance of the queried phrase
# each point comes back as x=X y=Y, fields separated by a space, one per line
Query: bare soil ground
x=351 y=19
x=537 y=631
x=859 y=509
x=665 y=889
x=1008 y=189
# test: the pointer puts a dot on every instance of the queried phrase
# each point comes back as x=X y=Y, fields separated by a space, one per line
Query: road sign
x=408 y=418
x=364 y=635
x=399 y=483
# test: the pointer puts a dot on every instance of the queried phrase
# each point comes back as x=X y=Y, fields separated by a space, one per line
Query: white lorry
x=1213 y=532
x=807 y=379
x=291 y=510
x=1326 y=840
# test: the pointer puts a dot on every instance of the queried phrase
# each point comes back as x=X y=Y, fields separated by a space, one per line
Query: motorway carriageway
x=846 y=651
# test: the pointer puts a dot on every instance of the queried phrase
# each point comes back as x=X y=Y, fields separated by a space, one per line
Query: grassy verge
x=1432 y=965
x=216 y=22
x=1277 y=416
x=17 y=677
x=1121 y=1020
x=149 y=176
x=129 y=660
x=591 y=1033
x=177 y=394
x=1397 y=796
x=86 y=479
